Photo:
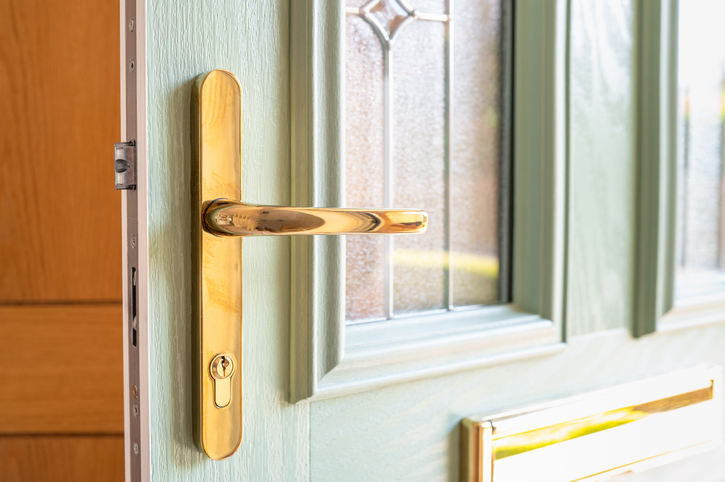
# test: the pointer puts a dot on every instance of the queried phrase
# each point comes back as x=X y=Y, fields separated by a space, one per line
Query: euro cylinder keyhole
x=222 y=368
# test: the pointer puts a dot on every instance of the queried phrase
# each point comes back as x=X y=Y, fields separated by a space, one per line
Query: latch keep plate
x=124 y=165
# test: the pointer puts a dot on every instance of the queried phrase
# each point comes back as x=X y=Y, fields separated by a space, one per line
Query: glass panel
x=430 y=6
x=476 y=149
x=419 y=115
x=364 y=128
x=424 y=129
x=700 y=233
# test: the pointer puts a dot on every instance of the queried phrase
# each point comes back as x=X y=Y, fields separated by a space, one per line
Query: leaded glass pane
x=426 y=129
x=476 y=150
x=419 y=114
x=364 y=128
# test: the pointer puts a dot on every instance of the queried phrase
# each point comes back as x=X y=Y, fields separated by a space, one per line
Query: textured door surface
x=404 y=431
x=61 y=407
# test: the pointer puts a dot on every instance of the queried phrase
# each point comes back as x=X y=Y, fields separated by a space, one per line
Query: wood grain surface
x=60 y=242
x=60 y=222
x=603 y=169
x=61 y=458
x=61 y=369
x=251 y=39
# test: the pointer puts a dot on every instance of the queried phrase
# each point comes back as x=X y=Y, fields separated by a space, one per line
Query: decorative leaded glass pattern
x=426 y=125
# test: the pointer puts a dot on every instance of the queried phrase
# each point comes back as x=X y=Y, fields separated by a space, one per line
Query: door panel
x=60 y=246
x=59 y=236
x=76 y=384
x=411 y=431
x=405 y=431
x=61 y=458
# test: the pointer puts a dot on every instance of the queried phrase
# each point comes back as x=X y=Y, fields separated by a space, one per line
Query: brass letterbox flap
x=597 y=435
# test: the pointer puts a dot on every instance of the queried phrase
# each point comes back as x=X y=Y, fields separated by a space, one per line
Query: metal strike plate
x=598 y=435
x=124 y=165
x=217 y=262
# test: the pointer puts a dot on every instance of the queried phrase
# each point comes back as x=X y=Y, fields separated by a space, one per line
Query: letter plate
x=595 y=436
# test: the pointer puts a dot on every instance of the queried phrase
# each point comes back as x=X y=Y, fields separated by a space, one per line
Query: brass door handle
x=220 y=222
x=225 y=217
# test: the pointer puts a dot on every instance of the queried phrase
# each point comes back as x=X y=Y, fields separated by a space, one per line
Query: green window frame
x=329 y=358
x=657 y=307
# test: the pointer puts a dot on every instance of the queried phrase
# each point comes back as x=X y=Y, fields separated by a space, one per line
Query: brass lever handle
x=220 y=221
x=225 y=217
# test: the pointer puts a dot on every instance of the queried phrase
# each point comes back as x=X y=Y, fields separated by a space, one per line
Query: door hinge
x=125 y=164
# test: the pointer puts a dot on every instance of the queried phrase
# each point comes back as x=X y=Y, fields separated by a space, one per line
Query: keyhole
x=224 y=364
x=222 y=369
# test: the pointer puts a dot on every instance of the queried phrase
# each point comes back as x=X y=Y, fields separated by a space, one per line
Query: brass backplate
x=216 y=173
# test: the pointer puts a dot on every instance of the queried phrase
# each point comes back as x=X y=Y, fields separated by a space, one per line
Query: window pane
x=364 y=128
x=700 y=234
x=424 y=117
x=476 y=150
x=419 y=115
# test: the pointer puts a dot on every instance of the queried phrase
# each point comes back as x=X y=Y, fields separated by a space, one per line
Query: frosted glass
x=476 y=153
x=423 y=129
x=364 y=128
x=418 y=72
x=700 y=233
x=427 y=6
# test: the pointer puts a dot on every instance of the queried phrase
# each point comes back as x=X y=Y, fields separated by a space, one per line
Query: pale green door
x=328 y=400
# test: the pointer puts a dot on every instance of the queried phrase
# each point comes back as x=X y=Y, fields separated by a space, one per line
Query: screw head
x=131 y=25
x=135 y=410
x=134 y=391
x=132 y=65
x=135 y=448
x=133 y=241
x=222 y=366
